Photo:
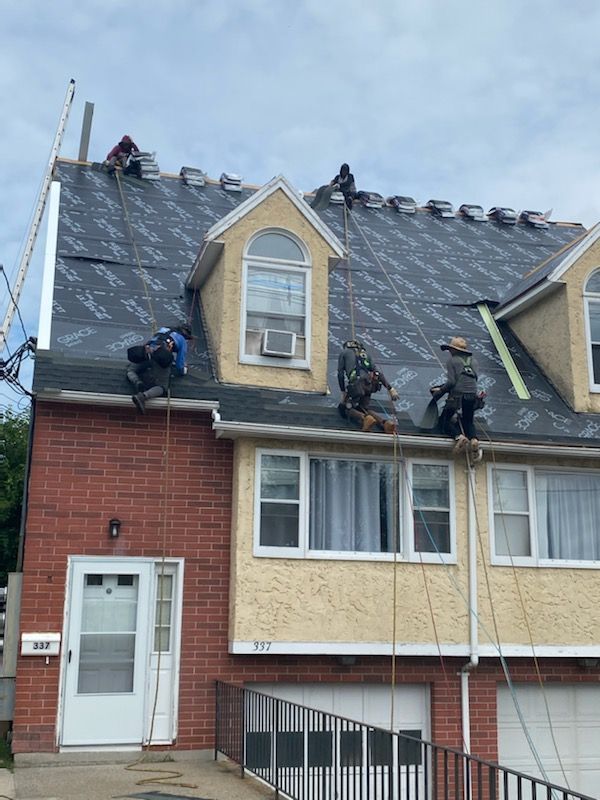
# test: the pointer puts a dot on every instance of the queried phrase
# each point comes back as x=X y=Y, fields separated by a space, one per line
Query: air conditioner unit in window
x=278 y=343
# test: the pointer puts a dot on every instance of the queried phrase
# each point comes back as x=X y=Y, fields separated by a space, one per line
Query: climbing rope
x=495 y=642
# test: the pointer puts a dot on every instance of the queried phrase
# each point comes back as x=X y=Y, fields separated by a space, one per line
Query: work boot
x=460 y=443
x=368 y=422
x=389 y=426
x=474 y=445
x=139 y=401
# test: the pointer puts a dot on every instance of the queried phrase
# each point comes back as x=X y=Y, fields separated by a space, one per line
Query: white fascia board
x=47 y=296
x=270 y=648
x=92 y=398
x=527 y=299
x=204 y=263
x=236 y=430
x=534 y=294
x=345 y=648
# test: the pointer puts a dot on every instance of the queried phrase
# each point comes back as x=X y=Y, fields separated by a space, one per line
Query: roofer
x=359 y=378
x=119 y=156
x=150 y=365
x=344 y=183
x=462 y=401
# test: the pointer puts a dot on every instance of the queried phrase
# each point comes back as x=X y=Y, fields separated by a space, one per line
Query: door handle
x=69 y=659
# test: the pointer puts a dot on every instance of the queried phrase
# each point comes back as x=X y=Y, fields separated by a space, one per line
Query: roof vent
x=535 y=218
x=278 y=343
x=337 y=198
x=370 y=199
x=472 y=212
x=507 y=216
x=440 y=208
x=402 y=204
x=192 y=176
x=231 y=182
x=149 y=170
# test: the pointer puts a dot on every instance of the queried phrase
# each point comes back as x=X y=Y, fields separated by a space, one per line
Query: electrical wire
x=16 y=305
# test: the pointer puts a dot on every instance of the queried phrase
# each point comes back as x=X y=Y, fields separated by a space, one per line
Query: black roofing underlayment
x=415 y=280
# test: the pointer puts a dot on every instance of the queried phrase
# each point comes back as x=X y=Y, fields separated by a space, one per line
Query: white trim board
x=47 y=296
x=271 y=648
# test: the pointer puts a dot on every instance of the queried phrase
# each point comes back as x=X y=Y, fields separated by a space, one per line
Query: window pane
x=568 y=511
x=275 y=292
x=276 y=245
x=594 y=312
x=510 y=490
x=596 y=362
x=593 y=284
x=280 y=477
x=260 y=323
x=430 y=486
x=106 y=663
x=353 y=506
x=279 y=524
x=511 y=534
x=432 y=531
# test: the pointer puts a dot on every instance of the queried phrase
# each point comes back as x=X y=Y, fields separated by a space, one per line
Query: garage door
x=364 y=702
x=314 y=756
x=575 y=716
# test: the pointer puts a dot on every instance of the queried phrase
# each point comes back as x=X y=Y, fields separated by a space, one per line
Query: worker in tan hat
x=461 y=387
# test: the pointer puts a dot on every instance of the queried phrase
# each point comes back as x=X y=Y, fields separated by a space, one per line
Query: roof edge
x=119 y=400
x=234 y=430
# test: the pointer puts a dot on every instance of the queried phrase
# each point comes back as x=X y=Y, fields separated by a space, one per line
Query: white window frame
x=407 y=552
x=590 y=298
x=534 y=560
x=277 y=265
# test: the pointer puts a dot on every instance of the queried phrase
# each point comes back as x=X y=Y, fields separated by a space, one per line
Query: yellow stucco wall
x=297 y=600
x=222 y=297
x=553 y=331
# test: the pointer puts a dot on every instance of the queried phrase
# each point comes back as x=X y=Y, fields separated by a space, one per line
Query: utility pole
x=37 y=217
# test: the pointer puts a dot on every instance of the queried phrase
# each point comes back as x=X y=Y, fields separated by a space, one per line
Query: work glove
x=435 y=392
x=393 y=394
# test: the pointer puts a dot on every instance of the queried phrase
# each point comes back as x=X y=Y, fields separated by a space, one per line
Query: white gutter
x=120 y=400
x=47 y=296
x=234 y=430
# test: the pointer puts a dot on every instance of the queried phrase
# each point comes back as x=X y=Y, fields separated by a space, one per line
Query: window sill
x=274 y=361
x=544 y=563
x=337 y=555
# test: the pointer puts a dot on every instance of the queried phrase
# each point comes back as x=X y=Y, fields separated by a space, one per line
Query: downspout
x=473 y=612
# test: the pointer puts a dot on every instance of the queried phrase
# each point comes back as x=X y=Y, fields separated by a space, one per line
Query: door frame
x=97 y=561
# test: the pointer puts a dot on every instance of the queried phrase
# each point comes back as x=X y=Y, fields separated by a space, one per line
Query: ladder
x=37 y=217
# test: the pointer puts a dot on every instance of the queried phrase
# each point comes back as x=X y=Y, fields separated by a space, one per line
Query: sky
x=494 y=104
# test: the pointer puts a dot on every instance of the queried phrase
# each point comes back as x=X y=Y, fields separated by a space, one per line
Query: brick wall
x=91 y=464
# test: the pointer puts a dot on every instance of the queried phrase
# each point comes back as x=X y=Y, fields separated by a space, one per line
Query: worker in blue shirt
x=151 y=364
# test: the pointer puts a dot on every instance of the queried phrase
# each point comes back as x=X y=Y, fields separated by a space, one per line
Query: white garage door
x=575 y=716
x=363 y=702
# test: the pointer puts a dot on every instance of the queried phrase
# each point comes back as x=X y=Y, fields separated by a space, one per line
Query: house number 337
x=261 y=647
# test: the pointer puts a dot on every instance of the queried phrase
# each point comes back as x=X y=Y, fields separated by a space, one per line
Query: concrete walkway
x=184 y=777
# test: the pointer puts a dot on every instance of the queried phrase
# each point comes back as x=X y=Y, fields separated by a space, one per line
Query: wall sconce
x=114 y=526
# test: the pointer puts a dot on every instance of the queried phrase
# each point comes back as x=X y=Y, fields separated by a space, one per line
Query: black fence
x=307 y=754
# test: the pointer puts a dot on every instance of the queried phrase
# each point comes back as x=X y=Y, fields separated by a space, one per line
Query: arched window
x=592 y=307
x=276 y=300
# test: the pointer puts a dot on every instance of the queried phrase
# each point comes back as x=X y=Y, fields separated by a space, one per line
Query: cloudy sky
x=488 y=103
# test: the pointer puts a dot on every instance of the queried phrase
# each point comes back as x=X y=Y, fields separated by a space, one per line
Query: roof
x=414 y=279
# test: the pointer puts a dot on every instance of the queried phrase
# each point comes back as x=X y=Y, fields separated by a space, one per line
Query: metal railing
x=307 y=754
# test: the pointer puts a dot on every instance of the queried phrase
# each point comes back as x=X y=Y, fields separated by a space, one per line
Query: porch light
x=114 y=527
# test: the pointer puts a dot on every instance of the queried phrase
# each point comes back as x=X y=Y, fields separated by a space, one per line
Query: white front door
x=106 y=652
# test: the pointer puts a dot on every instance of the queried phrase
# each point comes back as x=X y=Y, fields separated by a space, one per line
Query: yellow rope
x=135 y=250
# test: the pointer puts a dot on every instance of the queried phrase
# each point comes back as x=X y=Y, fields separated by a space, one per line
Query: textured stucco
x=553 y=331
x=225 y=283
x=296 y=600
x=331 y=600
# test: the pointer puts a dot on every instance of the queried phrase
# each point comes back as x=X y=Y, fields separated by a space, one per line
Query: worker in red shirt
x=119 y=155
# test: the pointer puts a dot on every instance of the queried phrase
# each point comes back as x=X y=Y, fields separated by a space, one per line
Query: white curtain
x=352 y=506
x=568 y=511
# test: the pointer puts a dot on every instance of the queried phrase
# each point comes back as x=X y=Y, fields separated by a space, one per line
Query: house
x=243 y=531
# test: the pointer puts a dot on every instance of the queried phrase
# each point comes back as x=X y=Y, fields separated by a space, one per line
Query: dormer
x=262 y=274
x=555 y=312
